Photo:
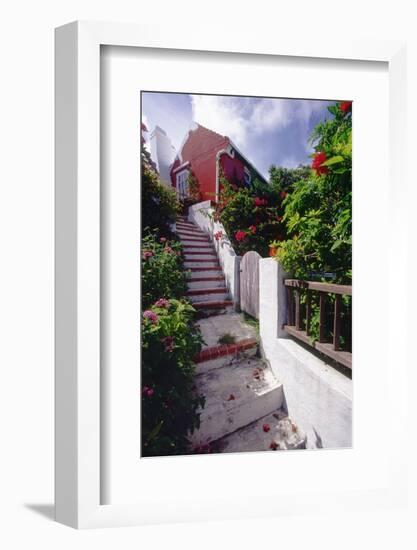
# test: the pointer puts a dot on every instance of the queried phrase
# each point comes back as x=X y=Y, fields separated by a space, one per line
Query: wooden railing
x=299 y=315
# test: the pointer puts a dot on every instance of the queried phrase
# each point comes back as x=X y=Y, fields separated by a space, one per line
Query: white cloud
x=290 y=162
x=241 y=117
x=224 y=115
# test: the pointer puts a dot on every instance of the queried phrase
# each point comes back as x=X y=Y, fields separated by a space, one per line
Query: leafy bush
x=170 y=403
x=318 y=217
x=160 y=205
x=318 y=211
x=162 y=273
x=252 y=217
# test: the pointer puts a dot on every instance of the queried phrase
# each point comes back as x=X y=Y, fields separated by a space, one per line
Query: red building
x=205 y=154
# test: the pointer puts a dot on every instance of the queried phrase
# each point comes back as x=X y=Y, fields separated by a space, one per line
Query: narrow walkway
x=244 y=408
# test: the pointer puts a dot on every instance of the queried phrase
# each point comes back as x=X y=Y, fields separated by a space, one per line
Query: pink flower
x=240 y=235
x=252 y=228
x=218 y=235
x=168 y=342
x=151 y=316
x=169 y=250
x=162 y=302
x=148 y=392
x=163 y=240
x=147 y=254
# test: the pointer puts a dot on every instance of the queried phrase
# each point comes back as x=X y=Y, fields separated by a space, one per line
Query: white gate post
x=272 y=299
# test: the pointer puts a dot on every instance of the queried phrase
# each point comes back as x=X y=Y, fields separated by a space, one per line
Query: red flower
x=252 y=228
x=345 y=106
x=218 y=235
x=259 y=202
x=282 y=195
x=231 y=397
x=279 y=218
x=273 y=446
x=318 y=160
x=240 y=235
x=266 y=428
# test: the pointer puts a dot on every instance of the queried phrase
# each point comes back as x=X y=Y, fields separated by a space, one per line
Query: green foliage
x=160 y=206
x=162 y=274
x=318 y=211
x=283 y=179
x=318 y=217
x=227 y=338
x=194 y=191
x=170 y=403
x=252 y=217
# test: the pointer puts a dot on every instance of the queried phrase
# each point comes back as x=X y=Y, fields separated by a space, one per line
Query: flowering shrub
x=318 y=214
x=162 y=273
x=253 y=216
x=250 y=216
x=170 y=403
x=318 y=211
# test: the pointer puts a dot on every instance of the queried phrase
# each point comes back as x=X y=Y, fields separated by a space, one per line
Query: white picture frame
x=78 y=405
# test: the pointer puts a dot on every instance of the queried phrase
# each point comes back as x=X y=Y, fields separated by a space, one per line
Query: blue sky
x=267 y=131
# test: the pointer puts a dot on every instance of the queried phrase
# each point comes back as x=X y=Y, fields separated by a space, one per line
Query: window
x=182 y=184
x=247 y=176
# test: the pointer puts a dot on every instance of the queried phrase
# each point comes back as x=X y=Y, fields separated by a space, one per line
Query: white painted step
x=226 y=360
x=203 y=255
x=198 y=285
x=184 y=233
x=200 y=242
x=214 y=328
x=273 y=432
x=199 y=263
x=204 y=273
x=218 y=296
x=235 y=398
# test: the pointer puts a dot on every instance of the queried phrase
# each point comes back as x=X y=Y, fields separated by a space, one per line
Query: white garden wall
x=318 y=397
x=200 y=214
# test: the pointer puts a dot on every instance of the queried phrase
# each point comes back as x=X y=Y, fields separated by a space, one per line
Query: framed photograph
x=220 y=212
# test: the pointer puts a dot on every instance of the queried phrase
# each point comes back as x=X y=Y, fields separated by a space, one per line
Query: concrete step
x=218 y=307
x=214 y=329
x=221 y=355
x=183 y=233
x=209 y=263
x=235 y=397
x=201 y=255
x=273 y=432
x=198 y=247
x=209 y=295
x=187 y=226
x=205 y=282
x=203 y=272
x=195 y=241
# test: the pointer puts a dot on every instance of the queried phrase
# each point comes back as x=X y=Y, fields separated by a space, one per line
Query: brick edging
x=208 y=354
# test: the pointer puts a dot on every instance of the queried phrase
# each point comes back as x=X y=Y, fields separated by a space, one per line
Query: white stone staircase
x=240 y=388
